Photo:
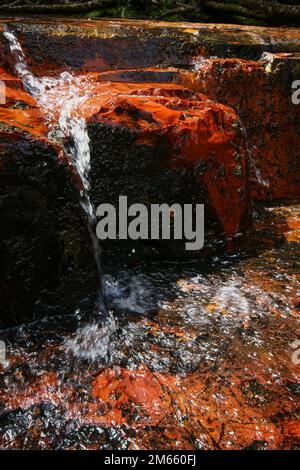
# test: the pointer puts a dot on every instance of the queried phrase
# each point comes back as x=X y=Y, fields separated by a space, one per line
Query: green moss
x=94 y=14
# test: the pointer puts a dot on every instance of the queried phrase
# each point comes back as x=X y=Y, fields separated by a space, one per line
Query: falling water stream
x=59 y=99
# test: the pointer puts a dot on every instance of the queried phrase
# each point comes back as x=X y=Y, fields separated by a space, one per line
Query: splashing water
x=229 y=297
x=198 y=63
x=92 y=341
x=59 y=99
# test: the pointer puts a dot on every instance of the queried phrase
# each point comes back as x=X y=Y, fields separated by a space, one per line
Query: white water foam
x=92 y=342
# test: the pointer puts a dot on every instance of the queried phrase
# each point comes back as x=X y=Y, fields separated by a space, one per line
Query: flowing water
x=208 y=362
x=59 y=99
x=202 y=356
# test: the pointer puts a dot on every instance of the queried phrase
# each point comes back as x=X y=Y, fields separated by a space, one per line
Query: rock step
x=89 y=45
x=221 y=131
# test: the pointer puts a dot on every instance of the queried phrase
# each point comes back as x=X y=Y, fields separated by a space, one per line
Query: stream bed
x=138 y=346
x=197 y=356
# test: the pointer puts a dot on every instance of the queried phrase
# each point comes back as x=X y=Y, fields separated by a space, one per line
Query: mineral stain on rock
x=199 y=352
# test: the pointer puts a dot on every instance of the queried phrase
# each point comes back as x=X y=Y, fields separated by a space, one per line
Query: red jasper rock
x=138 y=392
x=220 y=131
x=102 y=45
x=261 y=94
x=168 y=128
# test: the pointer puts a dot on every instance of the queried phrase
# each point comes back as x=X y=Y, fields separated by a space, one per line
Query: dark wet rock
x=104 y=45
x=163 y=388
x=258 y=445
x=45 y=249
x=255 y=392
x=294 y=387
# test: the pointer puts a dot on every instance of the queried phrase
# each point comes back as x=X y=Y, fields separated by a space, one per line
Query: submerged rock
x=214 y=369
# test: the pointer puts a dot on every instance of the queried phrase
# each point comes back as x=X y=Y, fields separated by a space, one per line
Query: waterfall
x=59 y=99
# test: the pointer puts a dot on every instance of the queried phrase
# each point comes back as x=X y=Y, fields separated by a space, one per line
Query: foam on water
x=92 y=341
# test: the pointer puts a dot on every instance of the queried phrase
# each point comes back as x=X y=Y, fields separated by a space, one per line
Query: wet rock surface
x=193 y=355
x=100 y=45
x=45 y=245
x=45 y=253
x=214 y=369
x=164 y=143
x=260 y=92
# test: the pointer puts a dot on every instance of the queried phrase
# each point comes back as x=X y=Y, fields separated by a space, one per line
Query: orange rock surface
x=214 y=368
x=261 y=94
x=196 y=131
x=243 y=393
